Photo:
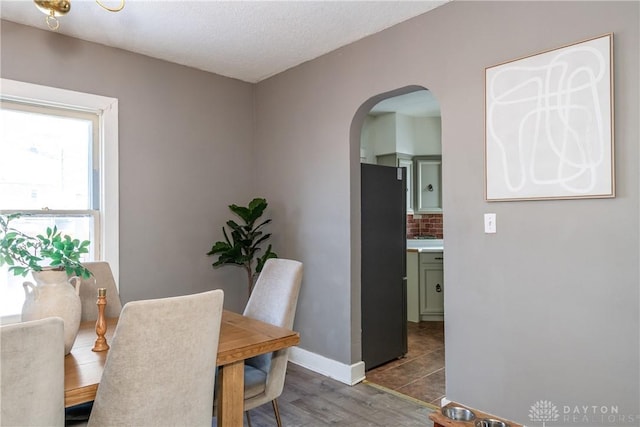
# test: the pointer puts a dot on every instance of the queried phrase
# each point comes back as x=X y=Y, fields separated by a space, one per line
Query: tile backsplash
x=426 y=225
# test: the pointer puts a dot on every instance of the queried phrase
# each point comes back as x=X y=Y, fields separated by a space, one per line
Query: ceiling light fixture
x=55 y=8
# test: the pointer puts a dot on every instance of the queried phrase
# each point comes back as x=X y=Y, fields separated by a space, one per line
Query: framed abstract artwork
x=549 y=124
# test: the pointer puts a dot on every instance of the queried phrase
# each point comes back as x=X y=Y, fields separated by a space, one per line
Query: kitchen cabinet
x=407 y=163
x=424 y=180
x=428 y=184
x=431 y=286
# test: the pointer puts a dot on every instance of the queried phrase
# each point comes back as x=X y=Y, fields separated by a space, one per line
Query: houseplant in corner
x=54 y=261
x=244 y=244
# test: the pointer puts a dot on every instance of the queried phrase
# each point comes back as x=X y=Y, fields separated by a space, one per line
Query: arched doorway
x=402 y=129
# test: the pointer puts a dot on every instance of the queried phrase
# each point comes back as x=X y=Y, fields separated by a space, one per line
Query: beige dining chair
x=102 y=278
x=273 y=300
x=32 y=373
x=158 y=370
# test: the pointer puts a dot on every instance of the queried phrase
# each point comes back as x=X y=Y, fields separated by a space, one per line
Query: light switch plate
x=489 y=223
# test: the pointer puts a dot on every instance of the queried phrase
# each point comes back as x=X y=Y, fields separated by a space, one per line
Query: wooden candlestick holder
x=101 y=324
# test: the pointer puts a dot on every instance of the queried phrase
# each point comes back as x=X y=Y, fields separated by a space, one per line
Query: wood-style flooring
x=420 y=374
x=310 y=399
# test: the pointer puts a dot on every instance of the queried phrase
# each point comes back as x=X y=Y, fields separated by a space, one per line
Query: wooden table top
x=240 y=338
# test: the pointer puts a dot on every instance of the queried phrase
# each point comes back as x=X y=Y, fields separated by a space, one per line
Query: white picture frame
x=549 y=124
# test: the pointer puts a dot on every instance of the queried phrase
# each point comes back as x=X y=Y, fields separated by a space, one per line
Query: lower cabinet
x=431 y=286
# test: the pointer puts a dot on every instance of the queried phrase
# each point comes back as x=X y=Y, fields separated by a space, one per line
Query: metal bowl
x=490 y=422
x=458 y=413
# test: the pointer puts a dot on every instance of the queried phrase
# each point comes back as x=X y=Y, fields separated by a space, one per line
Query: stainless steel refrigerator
x=384 y=262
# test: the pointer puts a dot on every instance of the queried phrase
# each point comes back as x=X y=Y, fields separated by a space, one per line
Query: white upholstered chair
x=32 y=373
x=102 y=278
x=159 y=368
x=273 y=300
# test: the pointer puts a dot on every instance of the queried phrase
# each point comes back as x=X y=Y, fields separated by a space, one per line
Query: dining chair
x=32 y=373
x=273 y=300
x=159 y=368
x=102 y=278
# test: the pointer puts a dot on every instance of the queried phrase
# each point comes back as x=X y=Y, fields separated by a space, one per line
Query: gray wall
x=547 y=308
x=554 y=294
x=184 y=141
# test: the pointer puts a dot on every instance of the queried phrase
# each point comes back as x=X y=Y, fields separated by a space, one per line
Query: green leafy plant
x=52 y=250
x=242 y=247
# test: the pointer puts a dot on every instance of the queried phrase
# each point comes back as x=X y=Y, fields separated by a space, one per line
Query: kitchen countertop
x=425 y=245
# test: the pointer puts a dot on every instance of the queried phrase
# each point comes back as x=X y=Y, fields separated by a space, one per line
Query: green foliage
x=241 y=247
x=24 y=253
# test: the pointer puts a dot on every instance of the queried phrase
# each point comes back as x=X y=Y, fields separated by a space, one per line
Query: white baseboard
x=347 y=374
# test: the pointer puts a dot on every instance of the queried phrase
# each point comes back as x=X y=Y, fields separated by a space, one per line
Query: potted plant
x=54 y=261
x=52 y=250
x=242 y=247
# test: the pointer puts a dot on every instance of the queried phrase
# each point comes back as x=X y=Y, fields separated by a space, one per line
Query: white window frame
x=107 y=110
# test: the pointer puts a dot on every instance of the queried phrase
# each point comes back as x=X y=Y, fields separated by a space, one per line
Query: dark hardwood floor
x=420 y=374
x=310 y=399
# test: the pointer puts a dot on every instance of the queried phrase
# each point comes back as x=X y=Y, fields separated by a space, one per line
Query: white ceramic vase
x=54 y=295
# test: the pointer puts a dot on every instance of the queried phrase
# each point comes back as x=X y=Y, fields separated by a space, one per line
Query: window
x=59 y=165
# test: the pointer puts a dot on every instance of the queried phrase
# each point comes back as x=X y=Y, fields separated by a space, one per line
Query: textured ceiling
x=247 y=40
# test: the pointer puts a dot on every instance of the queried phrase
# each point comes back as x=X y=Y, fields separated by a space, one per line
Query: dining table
x=241 y=338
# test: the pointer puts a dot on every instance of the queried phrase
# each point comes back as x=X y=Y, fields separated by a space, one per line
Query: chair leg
x=276 y=411
x=248 y=418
